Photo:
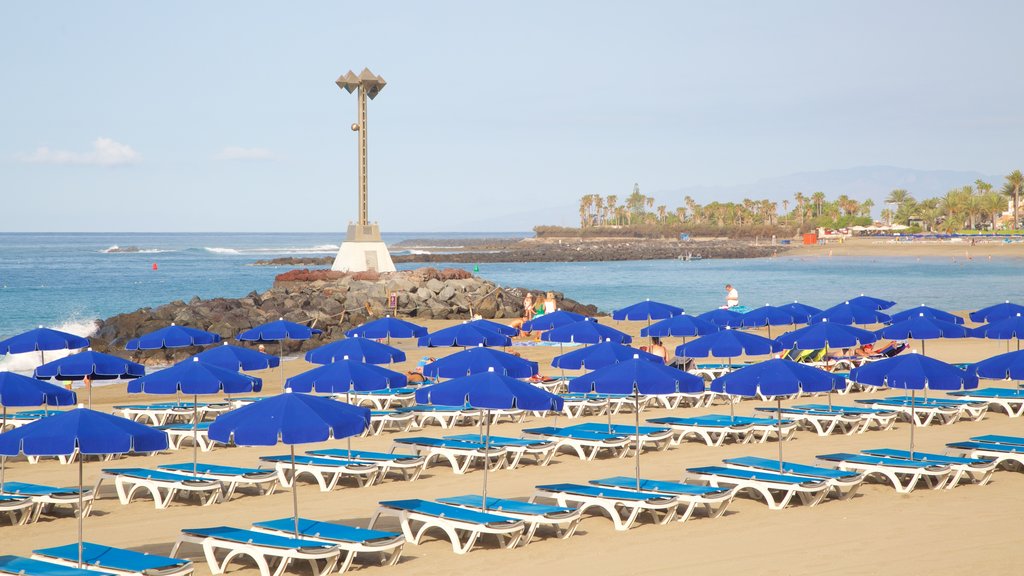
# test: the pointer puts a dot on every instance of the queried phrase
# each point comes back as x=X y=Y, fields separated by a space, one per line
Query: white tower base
x=363 y=250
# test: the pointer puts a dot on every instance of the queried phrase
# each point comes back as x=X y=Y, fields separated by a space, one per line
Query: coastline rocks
x=333 y=303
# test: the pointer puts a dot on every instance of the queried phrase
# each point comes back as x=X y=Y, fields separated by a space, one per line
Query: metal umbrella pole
x=913 y=420
x=3 y=459
x=778 y=415
x=295 y=492
x=487 y=453
x=195 y=434
x=636 y=421
x=348 y=399
x=81 y=510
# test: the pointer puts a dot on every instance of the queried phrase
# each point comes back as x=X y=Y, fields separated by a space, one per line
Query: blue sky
x=223 y=116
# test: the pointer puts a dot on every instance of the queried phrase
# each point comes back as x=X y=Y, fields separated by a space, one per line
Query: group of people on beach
x=540 y=305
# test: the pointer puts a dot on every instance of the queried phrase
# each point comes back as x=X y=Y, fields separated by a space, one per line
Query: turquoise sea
x=70 y=279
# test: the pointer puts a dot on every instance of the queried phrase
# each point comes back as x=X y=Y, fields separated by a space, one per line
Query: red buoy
x=154 y=266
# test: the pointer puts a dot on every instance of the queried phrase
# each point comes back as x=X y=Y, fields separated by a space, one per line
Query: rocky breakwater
x=330 y=301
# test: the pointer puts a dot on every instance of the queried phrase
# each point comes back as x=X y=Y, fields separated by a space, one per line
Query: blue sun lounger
x=712 y=432
x=823 y=422
x=1011 y=400
x=541 y=450
x=460 y=454
x=326 y=471
x=178 y=433
x=777 y=490
x=18 y=566
x=923 y=414
x=162 y=485
x=351 y=540
x=49 y=497
x=904 y=475
x=622 y=506
x=409 y=465
x=586 y=444
x=265 y=481
x=877 y=418
x=844 y=483
x=1000 y=439
x=977 y=470
x=265 y=549
x=1011 y=455
x=562 y=519
x=658 y=436
x=713 y=500
x=766 y=426
x=114 y=560
x=462 y=526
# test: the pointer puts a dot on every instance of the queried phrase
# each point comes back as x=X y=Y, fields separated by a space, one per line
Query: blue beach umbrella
x=728 y=344
x=682 y=325
x=553 y=320
x=92 y=366
x=927 y=312
x=777 y=378
x=19 y=391
x=89 y=433
x=647 y=310
x=237 y=358
x=291 y=418
x=913 y=372
x=1008 y=328
x=850 y=314
x=480 y=359
x=172 y=337
x=278 y=331
x=987 y=314
x=801 y=312
x=871 y=302
x=767 y=316
x=585 y=332
x=722 y=317
x=923 y=328
x=489 y=391
x=600 y=355
x=387 y=327
x=42 y=340
x=495 y=327
x=825 y=335
x=344 y=376
x=358 y=349
x=464 y=335
x=193 y=377
x=1009 y=366
x=636 y=377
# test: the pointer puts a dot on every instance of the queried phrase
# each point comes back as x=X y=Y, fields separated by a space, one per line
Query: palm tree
x=609 y=204
x=785 y=208
x=599 y=209
x=992 y=205
x=887 y=215
x=800 y=201
x=818 y=199
x=585 y=204
x=898 y=197
x=866 y=206
x=1013 y=187
x=662 y=212
x=681 y=214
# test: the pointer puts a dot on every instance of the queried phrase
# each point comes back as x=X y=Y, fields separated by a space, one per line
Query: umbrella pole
x=3 y=459
x=636 y=420
x=913 y=421
x=282 y=382
x=81 y=511
x=778 y=414
x=295 y=493
x=487 y=455
x=195 y=434
x=348 y=439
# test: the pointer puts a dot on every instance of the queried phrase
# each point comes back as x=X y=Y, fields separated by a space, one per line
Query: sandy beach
x=970 y=527
x=869 y=247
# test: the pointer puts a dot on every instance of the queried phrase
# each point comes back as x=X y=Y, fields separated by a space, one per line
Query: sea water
x=69 y=280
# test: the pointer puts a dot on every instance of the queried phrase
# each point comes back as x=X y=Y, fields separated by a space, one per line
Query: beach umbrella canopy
x=585 y=332
x=1006 y=329
x=923 y=328
x=237 y=358
x=825 y=335
x=88 y=432
x=489 y=391
x=682 y=325
x=91 y=365
x=387 y=327
x=988 y=314
x=871 y=302
x=1009 y=366
x=40 y=340
x=344 y=376
x=495 y=327
x=290 y=418
x=850 y=314
x=465 y=334
x=278 y=330
x=172 y=337
x=801 y=312
x=553 y=320
x=777 y=378
x=480 y=359
x=728 y=344
x=193 y=378
x=358 y=349
x=647 y=310
x=21 y=391
x=601 y=355
x=927 y=312
x=767 y=316
x=722 y=317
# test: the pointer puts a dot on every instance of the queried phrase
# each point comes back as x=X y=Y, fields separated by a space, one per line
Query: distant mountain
x=861 y=183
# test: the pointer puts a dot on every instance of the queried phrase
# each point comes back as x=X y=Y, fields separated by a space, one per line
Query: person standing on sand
x=528 y=307
x=732 y=296
x=550 y=305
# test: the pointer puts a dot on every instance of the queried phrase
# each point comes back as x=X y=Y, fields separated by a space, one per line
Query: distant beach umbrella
x=172 y=337
x=682 y=325
x=489 y=391
x=193 y=378
x=1010 y=328
x=553 y=320
x=801 y=312
x=86 y=432
x=495 y=327
x=722 y=317
x=17 y=391
x=913 y=372
x=42 y=340
x=237 y=358
x=635 y=377
x=387 y=327
x=871 y=302
x=290 y=418
x=767 y=316
x=92 y=366
x=927 y=312
x=600 y=355
x=358 y=349
x=777 y=378
x=923 y=328
x=480 y=359
x=344 y=376
x=464 y=334
x=989 y=314
x=1009 y=366
x=585 y=332
x=728 y=344
x=278 y=331
x=825 y=335
x=850 y=314
x=646 y=311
